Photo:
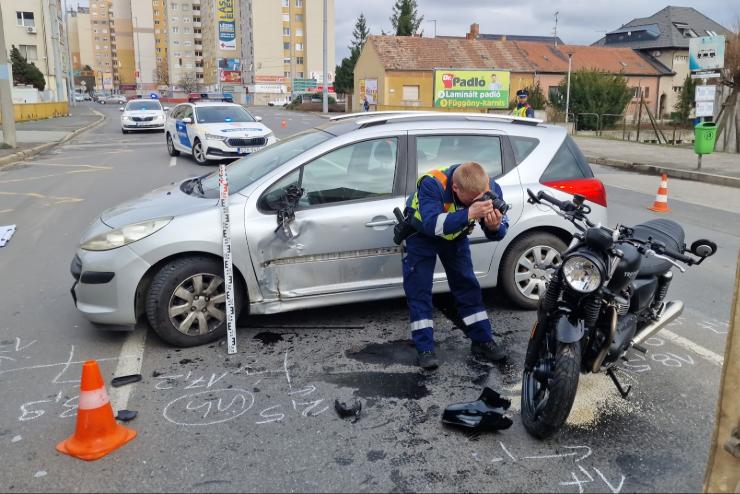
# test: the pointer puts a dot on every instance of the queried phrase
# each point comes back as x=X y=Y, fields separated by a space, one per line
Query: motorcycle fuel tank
x=627 y=269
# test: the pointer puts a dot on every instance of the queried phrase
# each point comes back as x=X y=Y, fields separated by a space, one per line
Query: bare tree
x=162 y=75
x=189 y=82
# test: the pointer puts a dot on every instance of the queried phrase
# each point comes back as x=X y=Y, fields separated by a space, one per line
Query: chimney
x=474 y=31
x=503 y=38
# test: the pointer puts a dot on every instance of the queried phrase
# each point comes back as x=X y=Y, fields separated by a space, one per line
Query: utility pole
x=70 y=75
x=6 y=88
x=567 y=94
x=292 y=49
x=138 y=55
x=55 y=42
x=555 y=31
x=325 y=78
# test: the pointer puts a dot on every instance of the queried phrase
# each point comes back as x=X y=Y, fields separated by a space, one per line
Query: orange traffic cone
x=96 y=433
x=661 y=199
x=284 y=124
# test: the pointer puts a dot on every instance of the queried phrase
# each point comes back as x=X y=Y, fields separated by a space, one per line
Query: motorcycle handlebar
x=679 y=257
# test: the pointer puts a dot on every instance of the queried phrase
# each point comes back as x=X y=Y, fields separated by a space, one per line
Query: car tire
x=199 y=155
x=175 y=287
x=124 y=131
x=171 y=146
x=520 y=280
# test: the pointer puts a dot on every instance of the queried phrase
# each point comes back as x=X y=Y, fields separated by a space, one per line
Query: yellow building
x=160 y=43
x=397 y=72
x=80 y=38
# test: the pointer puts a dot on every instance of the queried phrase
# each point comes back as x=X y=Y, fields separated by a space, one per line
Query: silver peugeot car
x=312 y=222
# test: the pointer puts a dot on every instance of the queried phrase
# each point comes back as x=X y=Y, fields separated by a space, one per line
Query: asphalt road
x=263 y=420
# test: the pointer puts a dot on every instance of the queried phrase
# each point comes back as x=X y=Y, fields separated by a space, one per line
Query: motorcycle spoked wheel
x=546 y=405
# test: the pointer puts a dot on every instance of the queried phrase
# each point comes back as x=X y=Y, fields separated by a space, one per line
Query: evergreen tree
x=360 y=33
x=24 y=72
x=344 y=80
x=406 y=19
x=594 y=91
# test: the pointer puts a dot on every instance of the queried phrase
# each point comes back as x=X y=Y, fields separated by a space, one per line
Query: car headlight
x=124 y=235
x=214 y=137
x=582 y=274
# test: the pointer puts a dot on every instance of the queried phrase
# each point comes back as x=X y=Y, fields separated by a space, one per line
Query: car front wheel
x=171 y=146
x=199 y=152
x=186 y=302
x=527 y=266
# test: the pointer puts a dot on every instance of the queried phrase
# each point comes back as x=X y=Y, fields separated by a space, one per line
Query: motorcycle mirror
x=703 y=248
x=578 y=199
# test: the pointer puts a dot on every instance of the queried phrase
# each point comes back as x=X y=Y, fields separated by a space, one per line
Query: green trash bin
x=705 y=135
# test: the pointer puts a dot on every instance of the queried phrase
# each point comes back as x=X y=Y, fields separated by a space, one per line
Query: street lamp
x=138 y=58
x=567 y=92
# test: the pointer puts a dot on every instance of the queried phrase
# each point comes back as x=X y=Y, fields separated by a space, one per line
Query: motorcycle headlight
x=124 y=235
x=214 y=137
x=581 y=274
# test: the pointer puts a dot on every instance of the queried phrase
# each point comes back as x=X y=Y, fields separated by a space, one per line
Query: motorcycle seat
x=667 y=231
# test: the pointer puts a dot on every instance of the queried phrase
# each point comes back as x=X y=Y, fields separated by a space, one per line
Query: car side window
x=175 y=114
x=446 y=150
x=364 y=170
x=523 y=147
x=565 y=165
x=187 y=112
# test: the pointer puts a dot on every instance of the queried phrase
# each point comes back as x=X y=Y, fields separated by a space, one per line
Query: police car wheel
x=199 y=152
x=521 y=275
x=186 y=302
x=171 y=146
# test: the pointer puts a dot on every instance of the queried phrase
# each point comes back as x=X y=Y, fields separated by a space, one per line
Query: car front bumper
x=104 y=290
x=142 y=126
x=219 y=150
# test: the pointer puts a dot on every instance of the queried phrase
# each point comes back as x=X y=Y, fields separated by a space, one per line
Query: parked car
x=224 y=97
x=283 y=101
x=114 y=99
x=160 y=255
x=143 y=114
x=79 y=97
x=211 y=131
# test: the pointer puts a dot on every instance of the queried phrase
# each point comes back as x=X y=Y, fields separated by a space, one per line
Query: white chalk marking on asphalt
x=687 y=344
x=39 y=474
x=173 y=161
x=16 y=439
x=133 y=346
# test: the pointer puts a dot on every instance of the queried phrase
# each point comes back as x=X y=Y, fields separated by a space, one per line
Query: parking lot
x=264 y=419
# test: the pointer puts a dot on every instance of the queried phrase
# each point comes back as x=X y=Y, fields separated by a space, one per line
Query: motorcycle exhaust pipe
x=673 y=309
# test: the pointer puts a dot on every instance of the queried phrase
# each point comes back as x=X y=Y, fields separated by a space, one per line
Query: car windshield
x=143 y=105
x=218 y=114
x=246 y=171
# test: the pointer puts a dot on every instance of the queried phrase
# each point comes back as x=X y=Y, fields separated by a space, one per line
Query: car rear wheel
x=199 y=152
x=523 y=275
x=186 y=303
x=171 y=146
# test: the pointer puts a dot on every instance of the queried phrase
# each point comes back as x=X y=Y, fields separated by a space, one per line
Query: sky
x=579 y=21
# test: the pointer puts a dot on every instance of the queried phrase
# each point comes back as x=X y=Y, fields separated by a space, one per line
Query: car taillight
x=590 y=188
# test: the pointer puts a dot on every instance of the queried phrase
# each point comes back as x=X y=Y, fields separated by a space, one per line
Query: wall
x=36 y=111
x=161 y=42
x=368 y=66
x=144 y=44
x=267 y=38
x=85 y=40
x=314 y=38
x=182 y=45
x=124 y=41
x=16 y=35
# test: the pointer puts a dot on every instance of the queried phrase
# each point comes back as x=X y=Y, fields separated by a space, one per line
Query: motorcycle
x=605 y=298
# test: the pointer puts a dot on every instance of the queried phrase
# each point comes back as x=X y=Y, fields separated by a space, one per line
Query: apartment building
x=122 y=43
x=27 y=25
x=161 y=43
x=222 y=51
x=81 y=44
x=144 y=44
x=184 y=43
x=101 y=23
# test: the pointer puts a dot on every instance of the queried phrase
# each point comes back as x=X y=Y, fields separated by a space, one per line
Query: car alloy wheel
x=199 y=153
x=530 y=274
x=198 y=304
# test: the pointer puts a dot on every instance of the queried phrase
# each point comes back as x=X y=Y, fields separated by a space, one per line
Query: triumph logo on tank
x=471 y=88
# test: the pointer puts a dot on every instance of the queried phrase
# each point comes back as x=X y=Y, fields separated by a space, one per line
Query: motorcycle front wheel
x=546 y=401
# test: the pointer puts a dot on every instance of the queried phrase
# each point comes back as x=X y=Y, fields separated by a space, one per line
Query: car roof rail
x=373 y=113
x=460 y=116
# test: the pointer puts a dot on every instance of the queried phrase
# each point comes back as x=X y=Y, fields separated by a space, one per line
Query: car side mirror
x=166 y=108
x=286 y=212
x=120 y=109
x=703 y=248
x=187 y=120
x=257 y=119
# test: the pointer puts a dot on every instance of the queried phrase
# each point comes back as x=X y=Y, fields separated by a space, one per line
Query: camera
x=403 y=229
x=498 y=203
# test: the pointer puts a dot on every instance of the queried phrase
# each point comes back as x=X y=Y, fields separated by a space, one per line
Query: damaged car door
x=333 y=223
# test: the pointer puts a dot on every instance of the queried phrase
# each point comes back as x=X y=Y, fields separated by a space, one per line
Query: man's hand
x=493 y=220
x=480 y=209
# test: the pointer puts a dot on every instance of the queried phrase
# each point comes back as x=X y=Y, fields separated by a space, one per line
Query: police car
x=142 y=114
x=213 y=131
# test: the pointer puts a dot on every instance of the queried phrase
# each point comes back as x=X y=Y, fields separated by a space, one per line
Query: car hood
x=164 y=202
x=236 y=129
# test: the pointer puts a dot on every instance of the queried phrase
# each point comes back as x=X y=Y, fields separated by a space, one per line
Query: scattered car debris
x=346 y=410
x=117 y=382
x=487 y=413
x=126 y=415
x=5 y=233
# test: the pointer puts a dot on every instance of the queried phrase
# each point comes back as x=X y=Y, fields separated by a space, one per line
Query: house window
x=635 y=91
x=186 y=20
x=28 y=52
x=677 y=89
x=299 y=60
x=286 y=31
x=286 y=46
x=299 y=17
x=553 y=93
x=286 y=73
x=299 y=3
x=187 y=30
x=173 y=6
x=286 y=59
x=681 y=59
x=174 y=19
x=299 y=47
x=286 y=17
x=286 y=3
x=299 y=32
x=188 y=43
x=646 y=92
x=411 y=93
x=24 y=19
x=175 y=29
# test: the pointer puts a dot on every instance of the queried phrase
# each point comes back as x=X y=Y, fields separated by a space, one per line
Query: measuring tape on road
x=223 y=185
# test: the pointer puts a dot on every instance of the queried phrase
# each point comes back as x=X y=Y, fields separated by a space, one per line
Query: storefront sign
x=471 y=88
x=226 y=25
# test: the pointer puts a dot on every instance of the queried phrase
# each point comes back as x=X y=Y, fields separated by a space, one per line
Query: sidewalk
x=677 y=162
x=39 y=135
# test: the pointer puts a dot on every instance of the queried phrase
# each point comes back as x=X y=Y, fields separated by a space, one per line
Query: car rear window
x=523 y=147
x=218 y=114
x=446 y=150
x=143 y=105
x=568 y=163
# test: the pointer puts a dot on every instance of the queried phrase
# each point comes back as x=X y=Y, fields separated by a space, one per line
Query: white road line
x=687 y=344
x=173 y=161
x=132 y=347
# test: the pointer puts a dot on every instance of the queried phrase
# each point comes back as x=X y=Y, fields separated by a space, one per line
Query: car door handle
x=380 y=222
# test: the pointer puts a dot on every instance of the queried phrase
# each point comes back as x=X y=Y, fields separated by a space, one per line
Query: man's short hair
x=471 y=177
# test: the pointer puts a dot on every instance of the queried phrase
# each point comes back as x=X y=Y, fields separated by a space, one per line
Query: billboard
x=226 y=25
x=270 y=79
x=231 y=76
x=471 y=88
x=369 y=90
x=707 y=53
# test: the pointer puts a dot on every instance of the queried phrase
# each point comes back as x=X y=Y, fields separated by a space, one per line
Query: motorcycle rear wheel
x=545 y=407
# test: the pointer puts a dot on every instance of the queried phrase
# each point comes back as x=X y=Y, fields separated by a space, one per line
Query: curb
x=27 y=153
x=696 y=176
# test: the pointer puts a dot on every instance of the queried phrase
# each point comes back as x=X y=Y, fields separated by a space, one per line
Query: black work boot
x=428 y=360
x=488 y=350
